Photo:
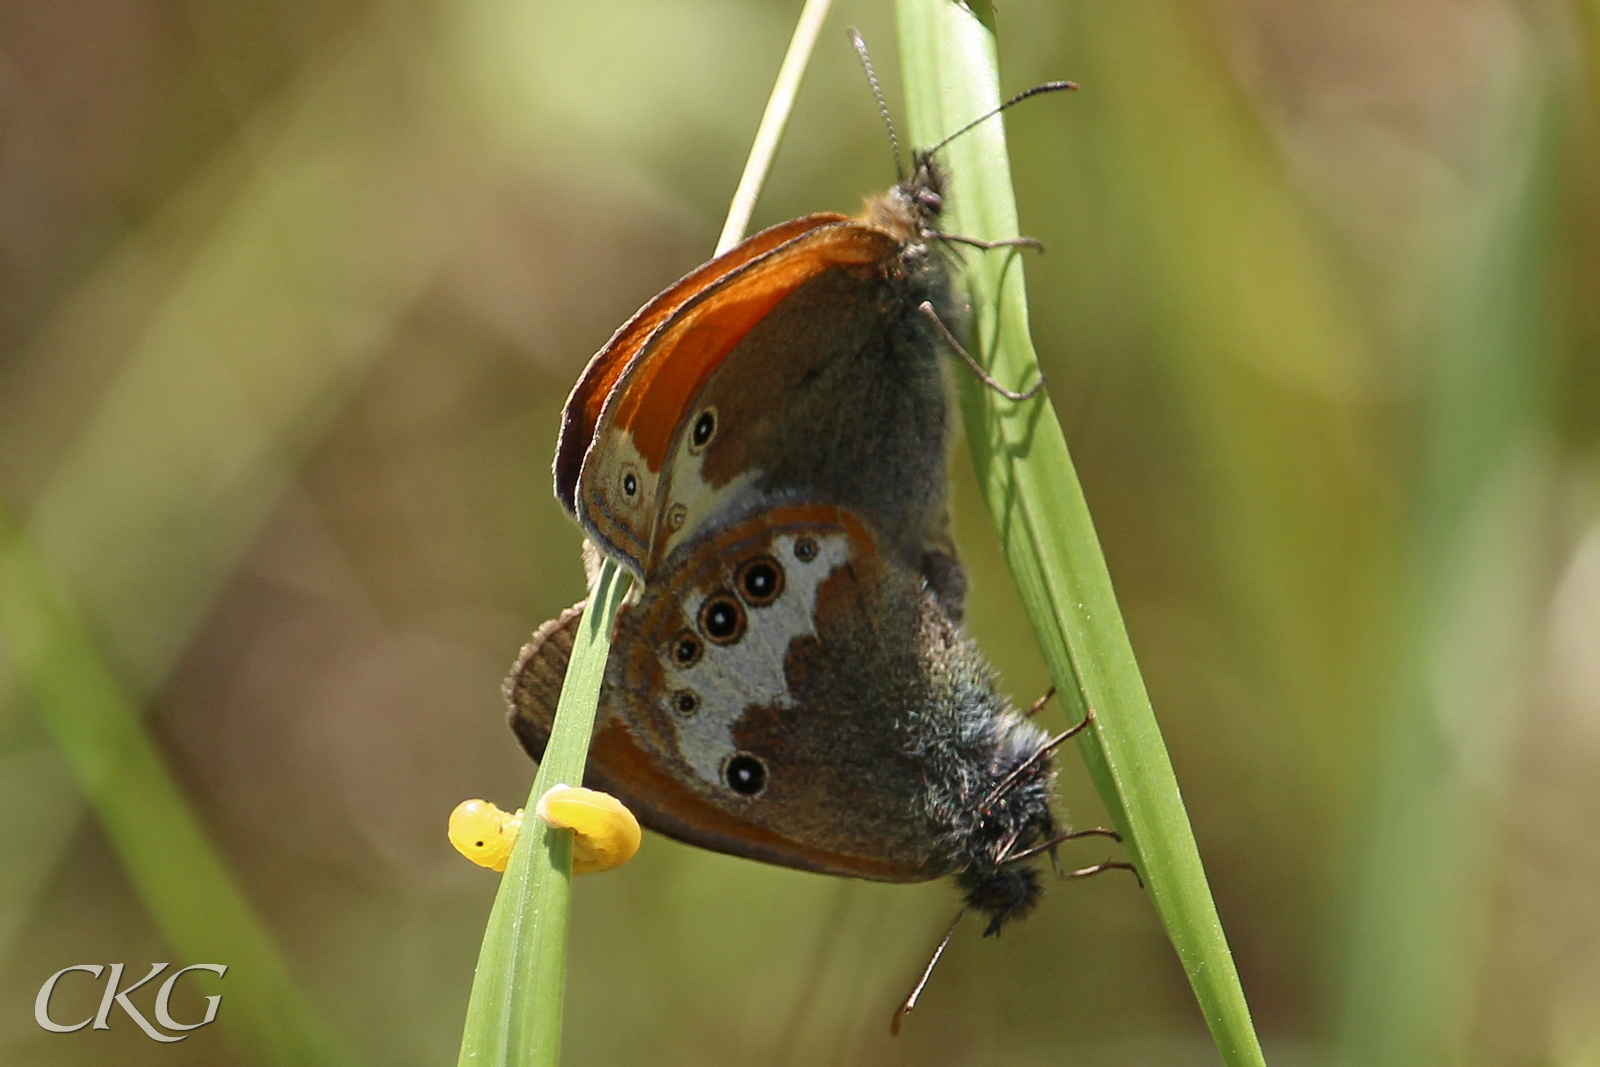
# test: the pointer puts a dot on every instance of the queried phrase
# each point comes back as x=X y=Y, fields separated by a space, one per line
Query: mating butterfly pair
x=765 y=446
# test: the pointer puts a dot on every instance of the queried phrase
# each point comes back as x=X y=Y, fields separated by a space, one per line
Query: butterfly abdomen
x=988 y=783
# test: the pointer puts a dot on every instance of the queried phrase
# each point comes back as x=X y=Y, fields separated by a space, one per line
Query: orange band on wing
x=688 y=349
x=808 y=515
x=589 y=395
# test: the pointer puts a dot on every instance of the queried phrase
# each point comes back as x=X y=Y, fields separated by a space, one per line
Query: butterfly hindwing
x=770 y=696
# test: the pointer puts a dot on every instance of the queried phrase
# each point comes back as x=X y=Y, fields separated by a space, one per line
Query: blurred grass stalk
x=238 y=343
x=518 y=988
x=1483 y=495
x=202 y=913
x=948 y=61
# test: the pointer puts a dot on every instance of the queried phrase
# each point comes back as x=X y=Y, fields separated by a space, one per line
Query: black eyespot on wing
x=760 y=580
x=685 y=702
x=722 y=619
x=630 y=484
x=704 y=427
x=686 y=649
x=745 y=774
x=805 y=549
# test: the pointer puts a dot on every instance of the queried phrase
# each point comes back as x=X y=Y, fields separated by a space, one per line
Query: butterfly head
x=910 y=209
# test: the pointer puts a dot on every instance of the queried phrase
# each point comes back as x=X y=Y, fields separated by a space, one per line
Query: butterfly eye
x=630 y=484
x=704 y=427
x=805 y=550
x=745 y=774
x=722 y=619
x=760 y=580
x=686 y=649
x=684 y=702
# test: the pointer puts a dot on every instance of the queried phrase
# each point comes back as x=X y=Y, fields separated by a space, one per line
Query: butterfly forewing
x=581 y=415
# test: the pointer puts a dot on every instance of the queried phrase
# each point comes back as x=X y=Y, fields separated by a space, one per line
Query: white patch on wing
x=701 y=503
x=730 y=678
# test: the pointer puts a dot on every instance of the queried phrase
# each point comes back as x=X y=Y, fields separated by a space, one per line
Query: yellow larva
x=604 y=832
x=483 y=833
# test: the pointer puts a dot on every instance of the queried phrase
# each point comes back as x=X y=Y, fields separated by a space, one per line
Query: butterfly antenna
x=877 y=94
x=916 y=990
x=1037 y=90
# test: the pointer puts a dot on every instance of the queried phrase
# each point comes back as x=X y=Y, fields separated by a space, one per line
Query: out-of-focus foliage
x=291 y=294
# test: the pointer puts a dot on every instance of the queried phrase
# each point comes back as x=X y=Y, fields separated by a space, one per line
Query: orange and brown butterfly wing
x=617 y=498
x=808 y=374
x=837 y=396
x=619 y=765
x=808 y=693
x=582 y=412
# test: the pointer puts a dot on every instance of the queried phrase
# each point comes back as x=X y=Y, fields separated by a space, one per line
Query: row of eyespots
x=722 y=619
x=722 y=616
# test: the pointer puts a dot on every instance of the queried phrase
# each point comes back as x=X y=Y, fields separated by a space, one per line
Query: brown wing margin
x=534 y=687
x=582 y=412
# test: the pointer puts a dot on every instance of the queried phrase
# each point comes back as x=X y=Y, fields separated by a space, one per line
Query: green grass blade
x=514 y=1015
x=948 y=61
x=193 y=899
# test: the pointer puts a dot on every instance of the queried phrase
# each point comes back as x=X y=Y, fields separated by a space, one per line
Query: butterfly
x=765 y=446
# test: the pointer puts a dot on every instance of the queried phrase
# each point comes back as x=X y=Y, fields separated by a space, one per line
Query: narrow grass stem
x=773 y=122
x=514 y=1014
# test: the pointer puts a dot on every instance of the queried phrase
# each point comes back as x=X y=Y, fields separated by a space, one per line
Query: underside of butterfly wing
x=691 y=328
x=623 y=764
x=836 y=396
x=582 y=412
x=786 y=693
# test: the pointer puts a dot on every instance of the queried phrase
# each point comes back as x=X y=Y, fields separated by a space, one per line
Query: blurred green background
x=291 y=294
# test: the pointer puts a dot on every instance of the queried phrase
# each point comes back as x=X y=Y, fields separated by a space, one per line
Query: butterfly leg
x=1108 y=865
x=1038 y=705
x=1010 y=242
x=983 y=376
x=1050 y=845
x=1044 y=750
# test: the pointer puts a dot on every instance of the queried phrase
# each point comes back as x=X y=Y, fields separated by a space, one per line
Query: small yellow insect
x=604 y=832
